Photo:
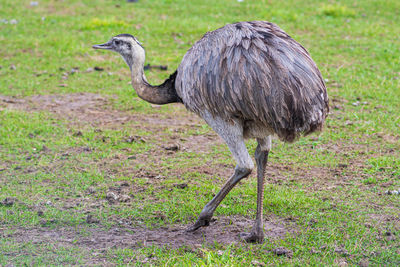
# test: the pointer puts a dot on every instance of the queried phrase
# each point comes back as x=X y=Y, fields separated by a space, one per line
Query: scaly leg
x=261 y=155
x=208 y=210
x=232 y=133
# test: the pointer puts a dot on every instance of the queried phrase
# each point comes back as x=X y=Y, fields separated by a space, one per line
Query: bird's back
x=255 y=72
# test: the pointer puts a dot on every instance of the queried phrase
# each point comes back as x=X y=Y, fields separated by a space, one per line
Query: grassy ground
x=91 y=175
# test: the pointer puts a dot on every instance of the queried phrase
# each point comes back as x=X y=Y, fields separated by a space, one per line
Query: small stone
x=13 y=67
x=91 y=190
x=74 y=70
x=124 y=183
x=91 y=219
x=13 y=21
x=387 y=233
x=111 y=196
x=124 y=198
x=8 y=202
x=136 y=139
x=129 y=139
x=257 y=263
x=181 y=186
x=357 y=103
x=89 y=70
x=342 y=251
x=34 y=3
x=282 y=251
x=77 y=133
x=172 y=147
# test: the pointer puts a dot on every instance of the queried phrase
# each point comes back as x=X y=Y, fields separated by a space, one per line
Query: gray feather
x=256 y=72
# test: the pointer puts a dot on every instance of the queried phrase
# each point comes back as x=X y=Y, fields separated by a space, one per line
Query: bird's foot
x=201 y=222
x=252 y=237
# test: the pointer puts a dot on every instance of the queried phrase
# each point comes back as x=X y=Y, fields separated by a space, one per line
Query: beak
x=103 y=46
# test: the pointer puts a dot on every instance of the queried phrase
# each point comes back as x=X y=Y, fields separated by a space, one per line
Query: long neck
x=162 y=94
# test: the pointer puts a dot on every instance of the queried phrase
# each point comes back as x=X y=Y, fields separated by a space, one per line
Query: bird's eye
x=117 y=42
x=129 y=46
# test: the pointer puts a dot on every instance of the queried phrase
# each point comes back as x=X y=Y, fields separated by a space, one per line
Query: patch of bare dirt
x=94 y=109
x=225 y=230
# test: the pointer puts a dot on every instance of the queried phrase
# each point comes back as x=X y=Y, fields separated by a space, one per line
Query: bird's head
x=126 y=45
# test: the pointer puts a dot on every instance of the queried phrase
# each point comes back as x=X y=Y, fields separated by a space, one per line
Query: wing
x=254 y=71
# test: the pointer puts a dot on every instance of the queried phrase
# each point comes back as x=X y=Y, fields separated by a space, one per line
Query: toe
x=199 y=223
x=251 y=237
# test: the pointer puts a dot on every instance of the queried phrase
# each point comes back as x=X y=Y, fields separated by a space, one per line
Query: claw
x=201 y=222
x=252 y=237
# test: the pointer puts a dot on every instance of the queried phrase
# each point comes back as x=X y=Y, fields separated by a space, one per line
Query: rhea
x=246 y=80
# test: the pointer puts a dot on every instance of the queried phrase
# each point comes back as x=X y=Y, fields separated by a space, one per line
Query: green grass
x=329 y=189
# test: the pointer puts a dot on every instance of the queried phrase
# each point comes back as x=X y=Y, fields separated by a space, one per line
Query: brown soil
x=81 y=109
x=225 y=230
x=96 y=110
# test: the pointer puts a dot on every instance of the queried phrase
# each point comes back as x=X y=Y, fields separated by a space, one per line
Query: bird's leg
x=232 y=133
x=261 y=155
x=208 y=210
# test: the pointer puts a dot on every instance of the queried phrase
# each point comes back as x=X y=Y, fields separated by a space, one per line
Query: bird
x=247 y=80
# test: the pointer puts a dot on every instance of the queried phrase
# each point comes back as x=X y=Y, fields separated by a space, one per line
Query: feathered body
x=255 y=72
x=246 y=80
